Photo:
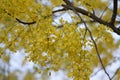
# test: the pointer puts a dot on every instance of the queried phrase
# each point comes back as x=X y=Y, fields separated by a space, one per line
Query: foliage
x=29 y=76
x=31 y=26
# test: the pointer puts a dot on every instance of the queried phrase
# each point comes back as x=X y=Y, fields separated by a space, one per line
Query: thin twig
x=85 y=34
x=101 y=68
x=59 y=10
x=96 y=48
x=104 y=11
x=25 y=23
x=28 y=23
x=91 y=36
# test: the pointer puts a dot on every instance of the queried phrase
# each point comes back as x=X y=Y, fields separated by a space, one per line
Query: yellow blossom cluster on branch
x=47 y=44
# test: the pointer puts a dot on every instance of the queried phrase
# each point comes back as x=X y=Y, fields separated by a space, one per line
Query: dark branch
x=68 y=2
x=59 y=10
x=101 y=68
x=96 y=48
x=115 y=4
x=28 y=23
x=84 y=12
x=92 y=21
x=94 y=17
x=85 y=34
x=25 y=23
x=104 y=11
x=91 y=36
x=33 y=22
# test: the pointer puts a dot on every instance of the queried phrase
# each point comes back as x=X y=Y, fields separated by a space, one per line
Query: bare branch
x=104 y=11
x=92 y=21
x=59 y=10
x=28 y=23
x=101 y=68
x=33 y=22
x=68 y=2
x=94 y=17
x=115 y=4
x=96 y=49
x=25 y=23
x=84 y=12
x=91 y=36
x=85 y=34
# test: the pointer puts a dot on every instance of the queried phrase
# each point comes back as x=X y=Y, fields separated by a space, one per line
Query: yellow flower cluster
x=47 y=44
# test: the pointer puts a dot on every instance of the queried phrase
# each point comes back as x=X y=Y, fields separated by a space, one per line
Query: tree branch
x=28 y=23
x=104 y=11
x=25 y=23
x=93 y=16
x=33 y=22
x=101 y=68
x=68 y=2
x=115 y=4
x=92 y=21
x=96 y=48
x=84 y=12
x=91 y=36
x=59 y=10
